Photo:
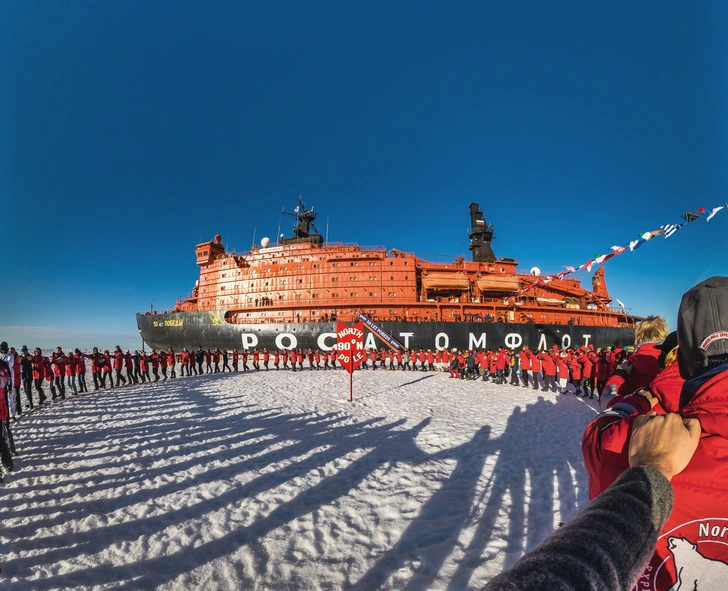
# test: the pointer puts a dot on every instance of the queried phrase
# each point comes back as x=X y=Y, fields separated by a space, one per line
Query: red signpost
x=350 y=349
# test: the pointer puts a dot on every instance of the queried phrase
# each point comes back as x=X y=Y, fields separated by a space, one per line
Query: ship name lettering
x=174 y=322
x=586 y=338
x=566 y=341
x=542 y=346
x=322 y=340
x=249 y=340
x=406 y=336
x=513 y=340
x=292 y=341
x=438 y=337
x=474 y=343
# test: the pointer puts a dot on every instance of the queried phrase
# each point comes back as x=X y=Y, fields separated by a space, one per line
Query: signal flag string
x=665 y=230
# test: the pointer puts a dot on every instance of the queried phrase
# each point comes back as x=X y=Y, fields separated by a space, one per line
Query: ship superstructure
x=305 y=279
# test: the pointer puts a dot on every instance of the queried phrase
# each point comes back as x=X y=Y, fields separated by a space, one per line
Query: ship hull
x=210 y=330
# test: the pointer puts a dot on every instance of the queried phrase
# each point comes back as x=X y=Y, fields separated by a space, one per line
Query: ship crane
x=305 y=222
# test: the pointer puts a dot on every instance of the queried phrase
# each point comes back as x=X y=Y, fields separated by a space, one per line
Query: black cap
x=702 y=322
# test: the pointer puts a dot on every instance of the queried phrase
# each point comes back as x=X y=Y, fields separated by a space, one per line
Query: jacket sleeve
x=604 y=548
x=604 y=444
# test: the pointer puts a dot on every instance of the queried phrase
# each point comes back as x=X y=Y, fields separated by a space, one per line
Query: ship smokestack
x=481 y=235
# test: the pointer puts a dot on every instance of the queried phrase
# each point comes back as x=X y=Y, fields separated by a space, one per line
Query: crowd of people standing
x=34 y=378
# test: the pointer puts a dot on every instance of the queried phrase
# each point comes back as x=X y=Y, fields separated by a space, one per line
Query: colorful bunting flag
x=667 y=230
x=713 y=212
x=670 y=229
x=635 y=244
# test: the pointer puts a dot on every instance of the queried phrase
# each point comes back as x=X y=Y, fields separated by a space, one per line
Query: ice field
x=273 y=480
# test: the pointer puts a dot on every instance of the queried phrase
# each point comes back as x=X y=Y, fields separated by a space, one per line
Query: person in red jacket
x=38 y=362
x=562 y=381
x=97 y=361
x=332 y=358
x=236 y=358
x=71 y=373
x=7 y=443
x=118 y=356
x=256 y=360
x=293 y=356
x=171 y=362
x=398 y=356
x=50 y=376
x=58 y=360
x=525 y=365
x=692 y=548
x=430 y=360
x=317 y=359
x=584 y=360
x=641 y=367
x=129 y=367
x=277 y=360
x=373 y=358
x=79 y=361
x=423 y=359
x=185 y=361
x=284 y=358
x=106 y=370
x=536 y=371
x=266 y=359
x=500 y=365
x=575 y=370
x=548 y=367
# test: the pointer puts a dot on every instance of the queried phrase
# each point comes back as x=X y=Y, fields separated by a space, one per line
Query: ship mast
x=481 y=235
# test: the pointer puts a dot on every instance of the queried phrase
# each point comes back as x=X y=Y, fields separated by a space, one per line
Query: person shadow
x=532 y=485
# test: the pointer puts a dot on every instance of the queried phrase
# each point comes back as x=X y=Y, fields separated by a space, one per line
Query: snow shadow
x=158 y=452
x=538 y=480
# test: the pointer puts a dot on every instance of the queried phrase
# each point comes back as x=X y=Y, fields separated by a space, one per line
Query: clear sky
x=132 y=130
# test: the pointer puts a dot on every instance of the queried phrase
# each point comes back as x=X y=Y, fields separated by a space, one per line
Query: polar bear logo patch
x=694 y=571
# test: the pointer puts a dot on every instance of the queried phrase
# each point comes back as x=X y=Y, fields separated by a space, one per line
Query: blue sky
x=131 y=130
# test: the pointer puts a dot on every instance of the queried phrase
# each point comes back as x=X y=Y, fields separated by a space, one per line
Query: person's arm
x=607 y=546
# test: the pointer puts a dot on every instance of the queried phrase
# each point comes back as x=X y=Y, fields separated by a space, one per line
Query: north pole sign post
x=350 y=349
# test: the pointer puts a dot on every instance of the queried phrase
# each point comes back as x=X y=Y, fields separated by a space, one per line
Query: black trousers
x=130 y=376
x=588 y=385
x=39 y=389
x=61 y=386
x=28 y=388
x=119 y=378
x=514 y=378
x=549 y=383
x=524 y=376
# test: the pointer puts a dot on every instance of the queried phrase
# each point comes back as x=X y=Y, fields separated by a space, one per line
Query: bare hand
x=666 y=442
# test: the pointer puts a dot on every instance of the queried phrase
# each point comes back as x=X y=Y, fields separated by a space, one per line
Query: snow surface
x=273 y=480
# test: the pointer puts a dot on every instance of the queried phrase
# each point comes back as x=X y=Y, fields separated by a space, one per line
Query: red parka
x=80 y=362
x=636 y=372
x=695 y=535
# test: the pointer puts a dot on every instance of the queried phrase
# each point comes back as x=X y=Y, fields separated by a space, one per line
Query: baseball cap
x=702 y=322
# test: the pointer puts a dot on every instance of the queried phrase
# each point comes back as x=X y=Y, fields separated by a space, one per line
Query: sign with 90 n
x=350 y=348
